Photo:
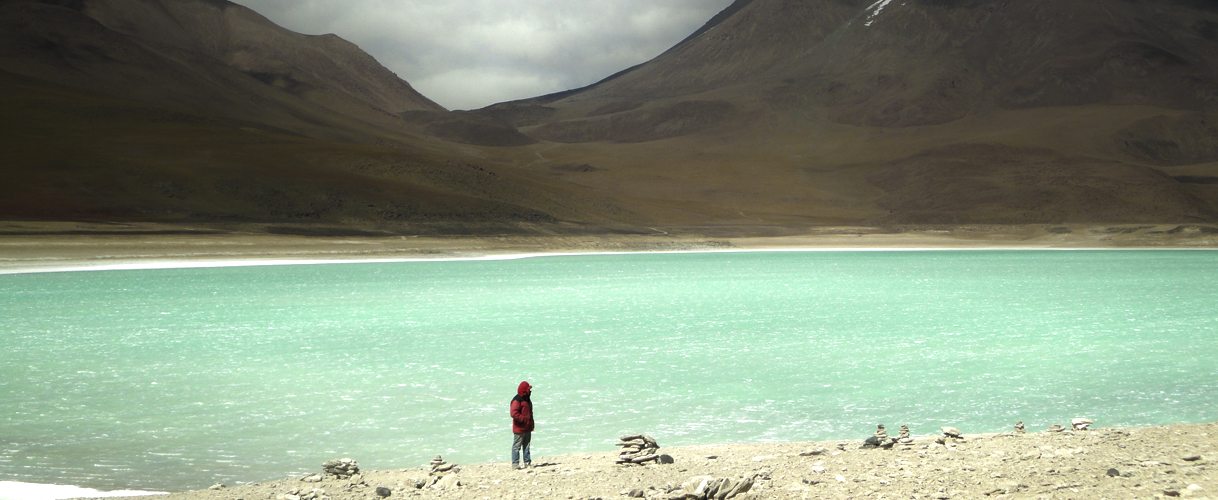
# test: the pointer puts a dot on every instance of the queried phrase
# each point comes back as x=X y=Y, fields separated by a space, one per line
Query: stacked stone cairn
x=638 y=449
x=1081 y=424
x=442 y=474
x=950 y=436
x=1019 y=428
x=439 y=466
x=903 y=437
x=1056 y=428
x=880 y=439
x=342 y=468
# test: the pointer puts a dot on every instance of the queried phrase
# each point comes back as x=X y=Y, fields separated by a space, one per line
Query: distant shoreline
x=258 y=262
x=57 y=248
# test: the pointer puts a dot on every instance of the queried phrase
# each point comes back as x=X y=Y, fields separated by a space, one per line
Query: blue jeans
x=521 y=441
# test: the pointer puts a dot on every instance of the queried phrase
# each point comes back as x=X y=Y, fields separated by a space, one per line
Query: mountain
x=775 y=116
x=205 y=111
x=912 y=111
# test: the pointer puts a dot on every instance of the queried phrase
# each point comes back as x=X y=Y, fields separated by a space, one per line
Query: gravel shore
x=1104 y=463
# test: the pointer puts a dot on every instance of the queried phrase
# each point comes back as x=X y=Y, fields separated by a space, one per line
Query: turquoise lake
x=172 y=379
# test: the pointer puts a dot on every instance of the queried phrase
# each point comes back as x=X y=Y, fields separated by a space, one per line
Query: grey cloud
x=467 y=54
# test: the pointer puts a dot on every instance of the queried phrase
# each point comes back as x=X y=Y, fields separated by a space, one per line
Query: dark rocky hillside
x=776 y=115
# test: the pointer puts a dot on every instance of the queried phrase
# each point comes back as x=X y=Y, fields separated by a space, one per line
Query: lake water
x=172 y=379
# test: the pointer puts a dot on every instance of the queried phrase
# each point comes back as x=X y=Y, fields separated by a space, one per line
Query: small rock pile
x=1019 y=428
x=950 y=436
x=710 y=488
x=1080 y=424
x=439 y=466
x=903 y=437
x=880 y=439
x=442 y=474
x=342 y=468
x=297 y=494
x=638 y=449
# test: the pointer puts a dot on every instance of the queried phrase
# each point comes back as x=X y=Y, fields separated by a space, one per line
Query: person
x=522 y=424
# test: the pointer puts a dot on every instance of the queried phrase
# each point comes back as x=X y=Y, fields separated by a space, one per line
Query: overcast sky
x=466 y=54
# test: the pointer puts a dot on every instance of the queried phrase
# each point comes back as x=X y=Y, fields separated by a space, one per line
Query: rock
x=694 y=483
x=813 y=453
x=1056 y=428
x=1005 y=488
x=1191 y=458
x=216 y=486
x=667 y=459
x=706 y=487
x=447 y=482
x=952 y=432
x=312 y=478
x=635 y=493
x=383 y=492
x=1019 y=428
x=1080 y=424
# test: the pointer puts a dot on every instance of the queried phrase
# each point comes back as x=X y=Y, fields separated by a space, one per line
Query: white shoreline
x=124 y=264
x=14 y=490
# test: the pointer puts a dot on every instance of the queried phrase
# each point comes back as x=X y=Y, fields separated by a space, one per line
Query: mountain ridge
x=773 y=114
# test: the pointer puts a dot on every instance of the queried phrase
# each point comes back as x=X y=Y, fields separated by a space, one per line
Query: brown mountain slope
x=776 y=114
x=201 y=110
x=206 y=56
x=827 y=111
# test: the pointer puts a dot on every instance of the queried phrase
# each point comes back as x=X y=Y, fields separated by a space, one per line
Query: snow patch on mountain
x=875 y=9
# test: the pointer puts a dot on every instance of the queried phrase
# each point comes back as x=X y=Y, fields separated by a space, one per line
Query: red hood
x=524 y=389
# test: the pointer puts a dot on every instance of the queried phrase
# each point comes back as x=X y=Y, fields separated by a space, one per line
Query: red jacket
x=522 y=409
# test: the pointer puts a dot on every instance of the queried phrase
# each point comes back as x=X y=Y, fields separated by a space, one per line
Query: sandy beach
x=58 y=246
x=1156 y=462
